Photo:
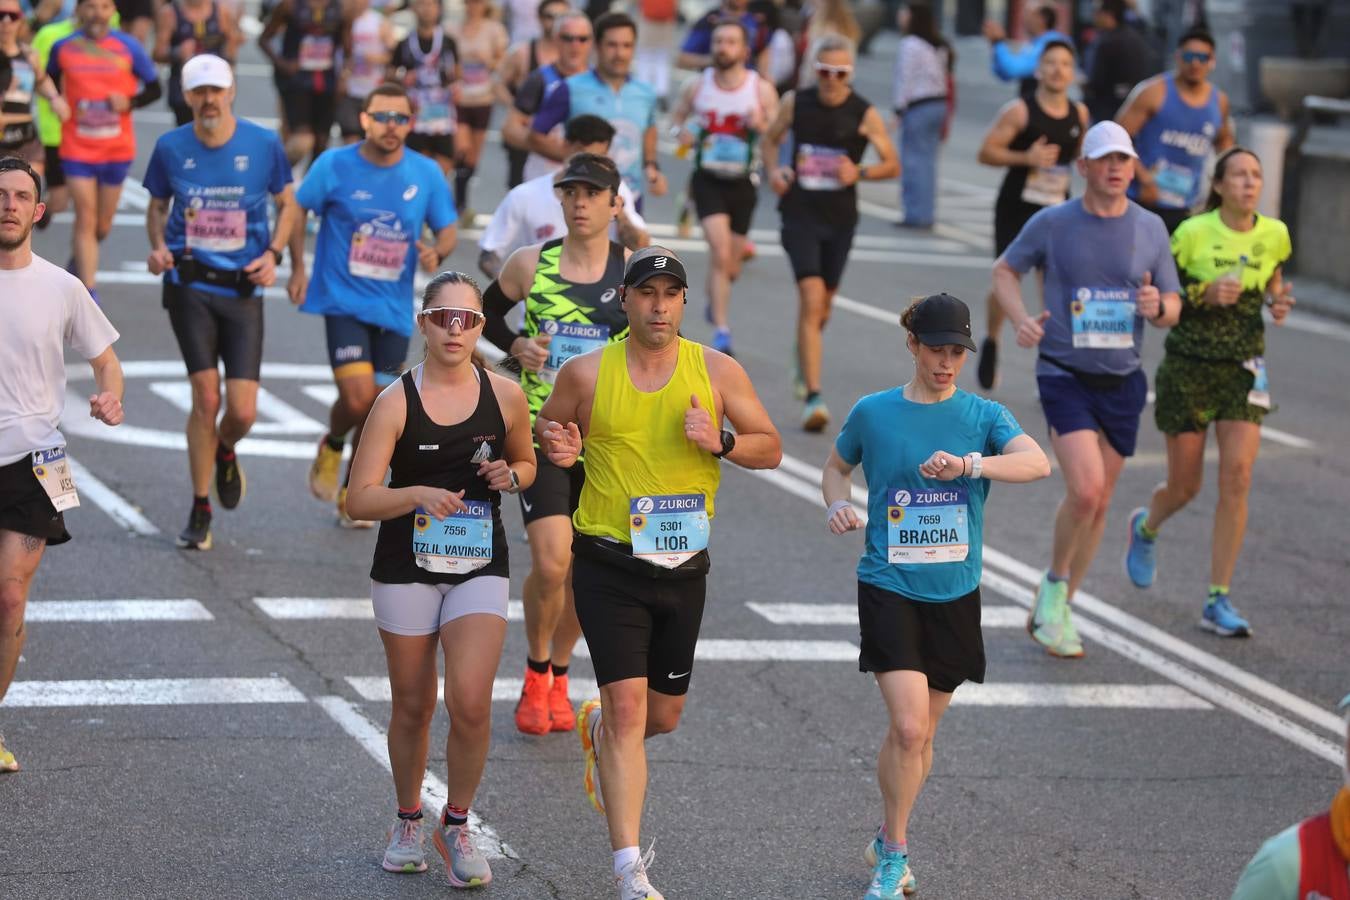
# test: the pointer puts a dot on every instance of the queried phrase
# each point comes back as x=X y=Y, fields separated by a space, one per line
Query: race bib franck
x=1103 y=318
x=927 y=525
x=455 y=545
x=668 y=529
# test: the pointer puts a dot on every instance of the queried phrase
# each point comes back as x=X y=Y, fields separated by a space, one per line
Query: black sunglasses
x=10 y=15
x=388 y=117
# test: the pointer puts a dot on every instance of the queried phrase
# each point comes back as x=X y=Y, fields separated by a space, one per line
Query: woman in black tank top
x=441 y=538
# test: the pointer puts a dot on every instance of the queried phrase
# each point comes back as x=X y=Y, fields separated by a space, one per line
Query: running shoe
x=345 y=520
x=465 y=864
x=1050 y=624
x=872 y=852
x=748 y=251
x=560 y=712
x=7 y=761
x=323 y=474
x=587 y=720
x=230 y=483
x=1141 y=563
x=815 y=415
x=197 y=534
x=532 y=709
x=633 y=883
x=987 y=369
x=404 y=853
x=1221 y=618
x=721 y=341
x=889 y=876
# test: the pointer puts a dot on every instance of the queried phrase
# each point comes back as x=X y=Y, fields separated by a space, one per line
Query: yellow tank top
x=636 y=445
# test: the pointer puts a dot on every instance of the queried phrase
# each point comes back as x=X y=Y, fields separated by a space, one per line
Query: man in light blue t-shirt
x=1108 y=267
x=210 y=184
x=375 y=198
x=610 y=92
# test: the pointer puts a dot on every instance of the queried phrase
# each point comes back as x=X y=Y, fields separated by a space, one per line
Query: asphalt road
x=230 y=744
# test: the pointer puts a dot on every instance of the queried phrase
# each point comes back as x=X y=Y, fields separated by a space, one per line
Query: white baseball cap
x=206 y=70
x=1101 y=139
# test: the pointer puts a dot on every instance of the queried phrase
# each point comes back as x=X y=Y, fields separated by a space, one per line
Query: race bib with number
x=316 y=53
x=1175 y=184
x=569 y=339
x=626 y=150
x=1046 y=185
x=725 y=154
x=928 y=525
x=1103 y=318
x=475 y=84
x=456 y=545
x=818 y=167
x=97 y=119
x=218 y=230
x=667 y=530
x=378 y=252
x=52 y=470
x=1259 y=395
x=435 y=112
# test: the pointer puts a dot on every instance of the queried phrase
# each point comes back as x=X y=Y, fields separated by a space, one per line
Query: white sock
x=624 y=858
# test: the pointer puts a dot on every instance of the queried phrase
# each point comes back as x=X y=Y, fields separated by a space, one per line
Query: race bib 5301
x=668 y=529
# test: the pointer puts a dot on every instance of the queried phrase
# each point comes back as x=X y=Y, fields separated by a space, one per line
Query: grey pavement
x=1154 y=767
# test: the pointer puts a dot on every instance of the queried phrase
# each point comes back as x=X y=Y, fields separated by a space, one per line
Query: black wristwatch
x=728 y=444
x=276 y=254
x=515 y=483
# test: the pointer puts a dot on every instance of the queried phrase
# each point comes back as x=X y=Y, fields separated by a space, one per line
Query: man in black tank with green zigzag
x=570 y=286
x=1036 y=138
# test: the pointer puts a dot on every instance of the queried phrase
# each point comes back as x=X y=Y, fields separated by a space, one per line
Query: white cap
x=1101 y=139
x=206 y=70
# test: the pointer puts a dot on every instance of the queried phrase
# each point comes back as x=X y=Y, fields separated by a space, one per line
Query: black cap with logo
x=650 y=262
x=589 y=168
x=942 y=319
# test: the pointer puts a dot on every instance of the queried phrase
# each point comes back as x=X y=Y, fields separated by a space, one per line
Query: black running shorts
x=731 y=197
x=25 y=507
x=942 y=640
x=556 y=491
x=638 y=627
x=816 y=249
x=213 y=327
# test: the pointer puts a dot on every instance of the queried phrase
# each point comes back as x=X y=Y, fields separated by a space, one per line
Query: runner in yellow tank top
x=651 y=410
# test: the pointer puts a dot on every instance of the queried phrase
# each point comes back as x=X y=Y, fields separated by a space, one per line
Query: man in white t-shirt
x=531 y=213
x=42 y=308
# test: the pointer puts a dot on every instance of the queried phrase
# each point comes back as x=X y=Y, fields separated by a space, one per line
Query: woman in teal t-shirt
x=928 y=453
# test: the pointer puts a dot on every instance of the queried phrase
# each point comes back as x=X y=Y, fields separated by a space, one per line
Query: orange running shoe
x=587 y=719
x=560 y=705
x=532 y=709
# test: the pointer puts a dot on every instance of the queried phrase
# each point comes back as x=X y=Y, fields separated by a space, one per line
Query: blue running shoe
x=1141 y=563
x=721 y=341
x=888 y=879
x=1220 y=618
x=873 y=851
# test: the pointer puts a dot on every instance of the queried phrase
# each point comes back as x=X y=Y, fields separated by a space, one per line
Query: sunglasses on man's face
x=827 y=71
x=1196 y=56
x=444 y=317
x=10 y=15
x=575 y=38
x=390 y=117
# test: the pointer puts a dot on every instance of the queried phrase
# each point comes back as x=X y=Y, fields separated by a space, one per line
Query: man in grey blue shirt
x=1108 y=269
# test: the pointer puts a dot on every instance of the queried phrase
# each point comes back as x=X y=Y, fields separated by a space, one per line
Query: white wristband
x=834 y=508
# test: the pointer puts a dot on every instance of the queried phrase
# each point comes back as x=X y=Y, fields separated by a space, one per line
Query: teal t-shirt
x=924 y=537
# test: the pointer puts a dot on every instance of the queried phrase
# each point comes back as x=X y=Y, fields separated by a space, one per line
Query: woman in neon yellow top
x=1230 y=260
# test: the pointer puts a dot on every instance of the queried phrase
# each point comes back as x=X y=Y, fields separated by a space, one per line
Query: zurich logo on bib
x=667 y=530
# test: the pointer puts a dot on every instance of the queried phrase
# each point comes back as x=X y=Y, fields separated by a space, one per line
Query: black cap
x=589 y=168
x=942 y=319
x=650 y=262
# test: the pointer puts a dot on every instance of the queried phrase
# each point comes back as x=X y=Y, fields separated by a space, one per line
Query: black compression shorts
x=556 y=491
x=732 y=197
x=212 y=327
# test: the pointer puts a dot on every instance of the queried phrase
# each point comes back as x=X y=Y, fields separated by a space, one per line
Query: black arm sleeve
x=495 y=307
x=149 y=94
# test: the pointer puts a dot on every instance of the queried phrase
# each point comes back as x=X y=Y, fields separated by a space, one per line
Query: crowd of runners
x=609 y=426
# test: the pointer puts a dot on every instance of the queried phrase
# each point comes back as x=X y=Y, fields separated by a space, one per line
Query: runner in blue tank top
x=1177 y=120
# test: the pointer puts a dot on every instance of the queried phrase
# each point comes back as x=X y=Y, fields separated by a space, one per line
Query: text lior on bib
x=1103 y=318
x=52 y=470
x=455 y=545
x=667 y=530
x=927 y=525
x=568 y=339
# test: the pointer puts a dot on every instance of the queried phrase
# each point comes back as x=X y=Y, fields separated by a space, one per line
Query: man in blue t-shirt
x=1108 y=267
x=610 y=92
x=210 y=183
x=1038 y=24
x=696 y=51
x=374 y=198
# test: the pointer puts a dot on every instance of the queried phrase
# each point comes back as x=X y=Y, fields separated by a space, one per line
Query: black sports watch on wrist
x=728 y=444
x=277 y=255
x=515 y=483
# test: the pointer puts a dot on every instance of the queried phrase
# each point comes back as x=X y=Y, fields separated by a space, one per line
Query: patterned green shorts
x=1193 y=392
